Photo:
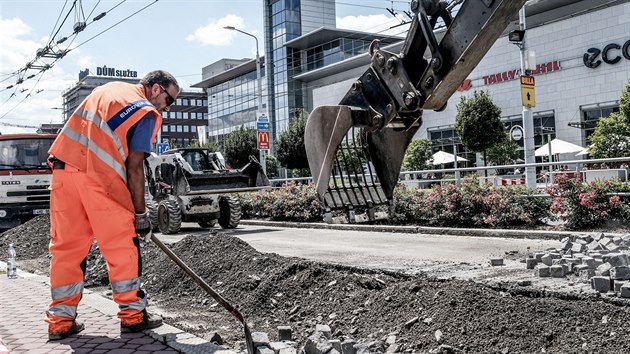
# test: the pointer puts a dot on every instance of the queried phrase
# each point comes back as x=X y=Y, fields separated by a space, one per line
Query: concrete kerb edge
x=524 y=234
x=166 y=334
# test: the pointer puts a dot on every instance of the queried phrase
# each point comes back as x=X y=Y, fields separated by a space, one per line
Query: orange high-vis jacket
x=94 y=139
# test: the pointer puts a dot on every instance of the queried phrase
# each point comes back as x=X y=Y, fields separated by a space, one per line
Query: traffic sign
x=528 y=91
x=262 y=117
x=160 y=148
x=516 y=132
x=262 y=126
x=263 y=140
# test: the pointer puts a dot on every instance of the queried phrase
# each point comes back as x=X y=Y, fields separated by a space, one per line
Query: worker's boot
x=76 y=328
x=148 y=321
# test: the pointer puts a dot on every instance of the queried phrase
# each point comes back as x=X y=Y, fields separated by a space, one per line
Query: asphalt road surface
x=459 y=256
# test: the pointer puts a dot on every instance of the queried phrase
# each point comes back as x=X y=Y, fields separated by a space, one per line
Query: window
x=179 y=129
x=186 y=128
x=591 y=116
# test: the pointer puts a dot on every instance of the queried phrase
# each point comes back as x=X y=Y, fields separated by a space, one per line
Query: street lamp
x=258 y=78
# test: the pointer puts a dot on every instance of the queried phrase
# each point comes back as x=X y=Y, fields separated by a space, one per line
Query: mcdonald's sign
x=263 y=140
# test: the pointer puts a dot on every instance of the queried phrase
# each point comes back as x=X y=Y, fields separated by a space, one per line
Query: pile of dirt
x=367 y=306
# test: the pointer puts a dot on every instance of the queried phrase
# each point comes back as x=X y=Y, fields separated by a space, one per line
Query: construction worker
x=97 y=191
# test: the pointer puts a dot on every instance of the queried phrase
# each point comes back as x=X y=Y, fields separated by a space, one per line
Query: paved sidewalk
x=23 y=302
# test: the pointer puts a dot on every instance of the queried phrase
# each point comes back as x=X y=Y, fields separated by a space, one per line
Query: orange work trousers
x=81 y=210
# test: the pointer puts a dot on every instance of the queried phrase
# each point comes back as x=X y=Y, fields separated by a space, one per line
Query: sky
x=179 y=36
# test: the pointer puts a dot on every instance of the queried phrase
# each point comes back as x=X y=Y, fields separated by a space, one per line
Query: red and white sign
x=510 y=75
x=263 y=140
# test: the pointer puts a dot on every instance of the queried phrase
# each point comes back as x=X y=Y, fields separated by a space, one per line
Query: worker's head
x=161 y=89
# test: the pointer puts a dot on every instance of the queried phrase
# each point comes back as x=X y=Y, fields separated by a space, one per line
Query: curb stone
x=507 y=233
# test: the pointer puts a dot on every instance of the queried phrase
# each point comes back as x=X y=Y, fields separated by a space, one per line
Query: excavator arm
x=355 y=149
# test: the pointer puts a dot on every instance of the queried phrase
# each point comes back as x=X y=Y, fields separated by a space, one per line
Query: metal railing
x=408 y=176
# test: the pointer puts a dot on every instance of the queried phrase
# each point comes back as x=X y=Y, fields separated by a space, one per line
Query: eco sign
x=611 y=54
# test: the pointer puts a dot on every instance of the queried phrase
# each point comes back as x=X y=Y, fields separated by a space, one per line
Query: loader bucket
x=354 y=170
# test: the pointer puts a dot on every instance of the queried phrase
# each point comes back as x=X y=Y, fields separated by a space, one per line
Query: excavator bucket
x=358 y=169
x=355 y=149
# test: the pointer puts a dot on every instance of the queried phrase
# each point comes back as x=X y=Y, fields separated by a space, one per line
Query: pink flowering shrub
x=483 y=206
x=292 y=202
x=587 y=204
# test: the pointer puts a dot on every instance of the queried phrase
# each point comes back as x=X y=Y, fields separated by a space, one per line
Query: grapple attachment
x=355 y=149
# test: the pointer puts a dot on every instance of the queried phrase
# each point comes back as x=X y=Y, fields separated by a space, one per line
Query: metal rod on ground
x=218 y=298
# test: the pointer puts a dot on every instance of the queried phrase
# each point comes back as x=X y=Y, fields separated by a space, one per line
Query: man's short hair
x=159 y=77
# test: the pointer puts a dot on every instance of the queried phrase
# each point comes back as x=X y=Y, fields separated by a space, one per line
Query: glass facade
x=334 y=51
x=447 y=140
x=544 y=129
x=287 y=94
x=233 y=104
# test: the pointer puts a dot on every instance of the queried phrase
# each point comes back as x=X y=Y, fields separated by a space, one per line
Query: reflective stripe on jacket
x=94 y=139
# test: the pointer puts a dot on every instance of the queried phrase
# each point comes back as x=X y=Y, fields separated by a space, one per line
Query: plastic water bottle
x=11 y=265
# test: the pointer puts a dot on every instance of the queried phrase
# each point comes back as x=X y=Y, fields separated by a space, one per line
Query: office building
x=179 y=126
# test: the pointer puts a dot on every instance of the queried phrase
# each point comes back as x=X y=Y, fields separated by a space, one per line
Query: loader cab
x=201 y=159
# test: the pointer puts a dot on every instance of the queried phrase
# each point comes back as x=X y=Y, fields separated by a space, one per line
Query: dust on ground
x=368 y=306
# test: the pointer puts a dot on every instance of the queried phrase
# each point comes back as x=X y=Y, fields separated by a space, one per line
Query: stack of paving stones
x=599 y=259
x=320 y=342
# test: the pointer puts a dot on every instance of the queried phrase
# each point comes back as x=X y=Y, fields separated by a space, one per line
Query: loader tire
x=169 y=217
x=206 y=224
x=152 y=207
x=230 y=212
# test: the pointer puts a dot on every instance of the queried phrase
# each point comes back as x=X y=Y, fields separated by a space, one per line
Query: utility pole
x=528 y=117
x=260 y=101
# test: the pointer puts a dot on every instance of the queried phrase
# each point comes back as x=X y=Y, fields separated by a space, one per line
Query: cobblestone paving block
x=586 y=275
x=620 y=273
x=347 y=347
x=624 y=291
x=542 y=271
x=531 y=263
x=600 y=283
x=590 y=262
x=287 y=351
x=618 y=284
x=284 y=333
x=604 y=269
x=578 y=247
x=547 y=260
x=556 y=271
x=618 y=259
x=496 y=261
x=539 y=255
x=260 y=339
x=324 y=329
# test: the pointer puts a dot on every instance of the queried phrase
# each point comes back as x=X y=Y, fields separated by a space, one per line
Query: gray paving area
x=23 y=303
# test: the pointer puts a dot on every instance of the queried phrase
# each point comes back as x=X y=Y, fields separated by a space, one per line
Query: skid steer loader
x=193 y=185
x=355 y=149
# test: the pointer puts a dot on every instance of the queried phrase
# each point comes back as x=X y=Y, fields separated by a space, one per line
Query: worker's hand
x=143 y=225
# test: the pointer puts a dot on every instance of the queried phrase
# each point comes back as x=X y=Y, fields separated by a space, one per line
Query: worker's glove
x=143 y=225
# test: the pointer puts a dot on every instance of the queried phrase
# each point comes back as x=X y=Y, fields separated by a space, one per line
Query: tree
x=611 y=137
x=418 y=154
x=290 y=149
x=239 y=145
x=272 y=165
x=208 y=145
x=503 y=153
x=478 y=122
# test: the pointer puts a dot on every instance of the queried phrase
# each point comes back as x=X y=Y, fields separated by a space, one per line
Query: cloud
x=373 y=24
x=22 y=104
x=213 y=34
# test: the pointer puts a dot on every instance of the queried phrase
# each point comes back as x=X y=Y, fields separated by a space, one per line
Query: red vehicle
x=24 y=177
